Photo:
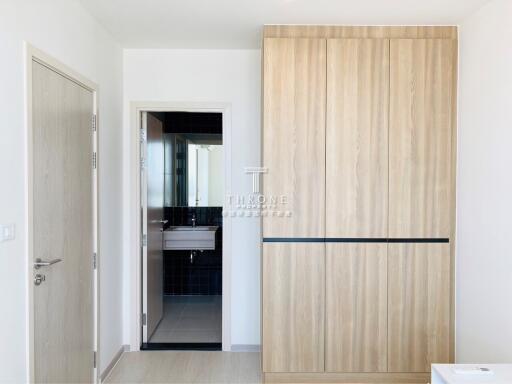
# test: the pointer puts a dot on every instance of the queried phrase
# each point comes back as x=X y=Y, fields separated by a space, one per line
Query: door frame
x=34 y=54
x=134 y=222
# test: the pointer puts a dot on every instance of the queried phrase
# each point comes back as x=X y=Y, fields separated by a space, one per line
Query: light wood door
x=357 y=138
x=294 y=135
x=419 y=306
x=356 y=307
x=153 y=268
x=422 y=105
x=293 y=307
x=62 y=228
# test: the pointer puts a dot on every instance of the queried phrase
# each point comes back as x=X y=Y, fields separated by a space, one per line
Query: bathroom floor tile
x=190 y=319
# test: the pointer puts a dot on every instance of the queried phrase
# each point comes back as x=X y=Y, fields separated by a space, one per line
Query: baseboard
x=352 y=378
x=113 y=362
x=245 y=348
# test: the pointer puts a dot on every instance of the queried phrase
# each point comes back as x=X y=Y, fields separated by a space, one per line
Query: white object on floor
x=471 y=373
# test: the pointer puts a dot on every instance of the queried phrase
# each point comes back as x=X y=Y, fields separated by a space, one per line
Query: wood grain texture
x=357 y=138
x=356 y=308
x=62 y=228
x=420 y=134
x=294 y=135
x=419 y=306
x=155 y=212
x=348 y=378
x=453 y=207
x=360 y=32
x=293 y=308
x=180 y=367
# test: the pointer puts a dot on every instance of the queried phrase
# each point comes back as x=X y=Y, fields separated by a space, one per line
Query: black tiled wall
x=204 y=275
x=193 y=122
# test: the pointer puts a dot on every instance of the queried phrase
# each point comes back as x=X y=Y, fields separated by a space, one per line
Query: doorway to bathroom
x=183 y=180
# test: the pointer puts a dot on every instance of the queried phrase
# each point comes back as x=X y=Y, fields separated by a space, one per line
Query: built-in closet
x=359 y=135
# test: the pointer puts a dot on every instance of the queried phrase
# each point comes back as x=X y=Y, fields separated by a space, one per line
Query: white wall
x=231 y=76
x=64 y=30
x=484 y=247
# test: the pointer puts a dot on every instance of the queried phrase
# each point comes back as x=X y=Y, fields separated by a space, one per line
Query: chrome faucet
x=193 y=219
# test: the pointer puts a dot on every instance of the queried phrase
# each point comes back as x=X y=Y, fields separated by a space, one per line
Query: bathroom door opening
x=183 y=235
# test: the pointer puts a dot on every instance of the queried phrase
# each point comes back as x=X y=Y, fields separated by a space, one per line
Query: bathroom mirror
x=193 y=170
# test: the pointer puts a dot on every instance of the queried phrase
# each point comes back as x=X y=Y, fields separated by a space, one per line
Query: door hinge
x=94 y=260
x=94 y=122
x=94 y=160
x=144 y=317
x=142 y=135
x=144 y=240
x=142 y=163
x=94 y=359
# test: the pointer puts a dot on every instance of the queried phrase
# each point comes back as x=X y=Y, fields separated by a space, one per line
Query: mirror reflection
x=193 y=170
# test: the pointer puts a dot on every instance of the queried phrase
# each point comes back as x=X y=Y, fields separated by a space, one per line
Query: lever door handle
x=160 y=221
x=43 y=263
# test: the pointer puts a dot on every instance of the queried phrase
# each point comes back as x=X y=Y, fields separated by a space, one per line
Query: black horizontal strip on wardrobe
x=352 y=240
x=355 y=240
x=419 y=240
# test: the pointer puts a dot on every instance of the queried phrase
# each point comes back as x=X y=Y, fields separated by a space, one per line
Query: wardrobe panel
x=419 y=306
x=294 y=98
x=422 y=101
x=357 y=138
x=293 y=307
x=356 y=307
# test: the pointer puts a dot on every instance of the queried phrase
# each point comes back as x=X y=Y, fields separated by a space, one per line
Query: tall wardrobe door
x=419 y=306
x=356 y=302
x=294 y=136
x=422 y=106
x=357 y=138
x=293 y=307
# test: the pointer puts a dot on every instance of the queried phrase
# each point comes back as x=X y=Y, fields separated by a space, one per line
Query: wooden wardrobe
x=359 y=134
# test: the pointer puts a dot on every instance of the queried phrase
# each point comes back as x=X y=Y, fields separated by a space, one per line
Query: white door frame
x=34 y=54
x=136 y=108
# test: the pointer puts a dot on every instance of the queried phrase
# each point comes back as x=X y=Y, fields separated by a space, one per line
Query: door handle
x=43 y=263
x=160 y=221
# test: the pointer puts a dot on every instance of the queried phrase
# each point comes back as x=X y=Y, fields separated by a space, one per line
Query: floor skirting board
x=245 y=348
x=113 y=362
x=352 y=378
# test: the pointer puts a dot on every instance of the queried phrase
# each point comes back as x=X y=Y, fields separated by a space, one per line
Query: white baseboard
x=245 y=348
x=113 y=362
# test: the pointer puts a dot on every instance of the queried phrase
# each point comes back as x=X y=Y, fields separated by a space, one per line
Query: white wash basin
x=190 y=228
x=190 y=238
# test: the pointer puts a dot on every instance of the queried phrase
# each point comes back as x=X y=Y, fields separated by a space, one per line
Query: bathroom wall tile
x=193 y=122
x=204 y=275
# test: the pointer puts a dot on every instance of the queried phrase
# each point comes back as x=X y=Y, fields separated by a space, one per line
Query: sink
x=190 y=228
x=190 y=238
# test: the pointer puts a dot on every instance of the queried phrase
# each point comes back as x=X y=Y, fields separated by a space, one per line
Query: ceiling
x=236 y=24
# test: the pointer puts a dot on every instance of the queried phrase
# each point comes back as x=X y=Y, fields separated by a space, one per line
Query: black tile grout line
x=352 y=240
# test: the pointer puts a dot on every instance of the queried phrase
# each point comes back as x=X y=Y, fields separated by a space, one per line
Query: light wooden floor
x=187 y=367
